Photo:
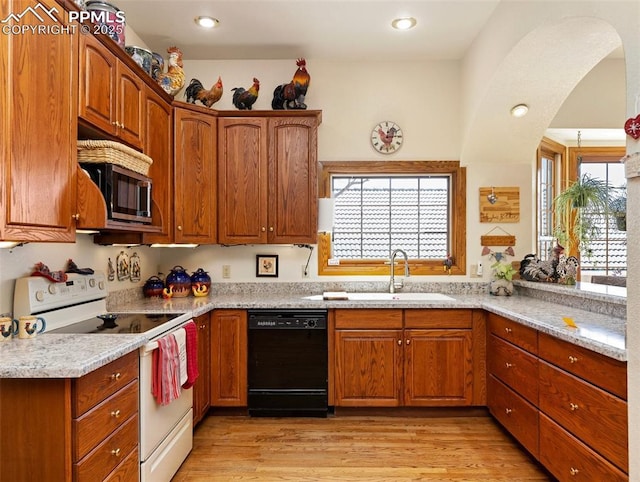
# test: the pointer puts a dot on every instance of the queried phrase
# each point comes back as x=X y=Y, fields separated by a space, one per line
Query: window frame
x=352 y=267
x=556 y=153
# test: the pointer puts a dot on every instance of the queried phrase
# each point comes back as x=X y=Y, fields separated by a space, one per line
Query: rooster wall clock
x=386 y=137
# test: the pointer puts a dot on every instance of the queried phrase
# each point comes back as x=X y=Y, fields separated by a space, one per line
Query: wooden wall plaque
x=506 y=209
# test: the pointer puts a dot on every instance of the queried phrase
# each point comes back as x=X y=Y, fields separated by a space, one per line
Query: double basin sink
x=380 y=297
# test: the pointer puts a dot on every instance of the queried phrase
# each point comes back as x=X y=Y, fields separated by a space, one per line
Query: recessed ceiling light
x=206 y=22
x=519 y=110
x=404 y=23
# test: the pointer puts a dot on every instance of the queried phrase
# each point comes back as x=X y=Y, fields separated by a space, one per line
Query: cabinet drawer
x=594 y=416
x=517 y=415
x=90 y=429
x=515 y=367
x=437 y=318
x=99 y=384
x=127 y=471
x=570 y=460
x=368 y=319
x=600 y=370
x=109 y=454
x=520 y=335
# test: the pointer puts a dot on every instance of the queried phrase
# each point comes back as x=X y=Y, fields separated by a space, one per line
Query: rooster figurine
x=244 y=99
x=173 y=80
x=196 y=91
x=292 y=95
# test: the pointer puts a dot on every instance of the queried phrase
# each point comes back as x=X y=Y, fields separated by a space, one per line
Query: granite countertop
x=61 y=356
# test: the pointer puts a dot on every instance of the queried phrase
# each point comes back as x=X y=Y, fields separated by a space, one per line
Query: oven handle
x=148 y=348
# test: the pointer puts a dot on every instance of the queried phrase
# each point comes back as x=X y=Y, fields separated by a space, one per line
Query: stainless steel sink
x=387 y=296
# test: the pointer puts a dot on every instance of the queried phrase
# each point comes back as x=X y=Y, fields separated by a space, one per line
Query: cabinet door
x=202 y=387
x=39 y=129
x=438 y=367
x=158 y=145
x=242 y=180
x=293 y=185
x=229 y=358
x=368 y=368
x=97 y=86
x=130 y=106
x=195 y=177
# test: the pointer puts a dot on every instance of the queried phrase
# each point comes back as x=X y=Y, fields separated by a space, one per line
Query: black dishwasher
x=288 y=363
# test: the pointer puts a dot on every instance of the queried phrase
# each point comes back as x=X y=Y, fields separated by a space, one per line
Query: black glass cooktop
x=118 y=323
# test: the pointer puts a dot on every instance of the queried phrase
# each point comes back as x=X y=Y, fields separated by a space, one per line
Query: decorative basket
x=114 y=153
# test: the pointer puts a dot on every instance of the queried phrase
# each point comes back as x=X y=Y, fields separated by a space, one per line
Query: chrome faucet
x=393 y=285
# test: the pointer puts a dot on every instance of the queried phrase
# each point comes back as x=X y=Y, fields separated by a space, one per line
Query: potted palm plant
x=579 y=210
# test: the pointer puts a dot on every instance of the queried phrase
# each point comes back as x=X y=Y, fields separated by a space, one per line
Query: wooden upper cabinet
x=242 y=180
x=267 y=180
x=195 y=176
x=158 y=137
x=111 y=95
x=38 y=128
x=293 y=184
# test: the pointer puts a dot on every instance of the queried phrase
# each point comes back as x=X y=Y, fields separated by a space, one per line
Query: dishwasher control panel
x=284 y=319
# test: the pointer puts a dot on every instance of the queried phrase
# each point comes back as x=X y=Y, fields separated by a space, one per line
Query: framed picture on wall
x=267 y=265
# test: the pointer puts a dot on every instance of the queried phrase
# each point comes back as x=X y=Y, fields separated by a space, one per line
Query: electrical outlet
x=305 y=271
x=226 y=271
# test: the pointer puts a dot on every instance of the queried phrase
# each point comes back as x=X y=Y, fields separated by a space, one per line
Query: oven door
x=162 y=426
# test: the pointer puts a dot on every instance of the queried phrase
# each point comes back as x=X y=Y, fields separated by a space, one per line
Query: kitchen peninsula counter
x=62 y=356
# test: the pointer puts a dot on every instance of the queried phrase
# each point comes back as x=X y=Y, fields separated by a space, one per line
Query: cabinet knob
x=271 y=229
x=76 y=216
x=179 y=228
x=509 y=365
x=508 y=411
x=263 y=229
x=116 y=376
x=115 y=414
x=573 y=471
x=508 y=330
x=573 y=359
x=114 y=123
x=399 y=342
x=408 y=342
x=115 y=452
x=573 y=406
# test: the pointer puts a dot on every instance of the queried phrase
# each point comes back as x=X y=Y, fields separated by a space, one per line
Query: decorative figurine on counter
x=196 y=91
x=447 y=264
x=73 y=268
x=291 y=95
x=173 y=80
x=244 y=99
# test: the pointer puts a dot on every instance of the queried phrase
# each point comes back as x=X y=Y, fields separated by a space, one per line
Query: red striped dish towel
x=165 y=363
x=192 y=354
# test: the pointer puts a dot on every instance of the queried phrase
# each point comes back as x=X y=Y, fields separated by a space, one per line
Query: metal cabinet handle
x=509 y=365
x=115 y=452
x=573 y=359
x=115 y=414
x=116 y=376
x=76 y=216
x=573 y=471
x=508 y=411
x=508 y=330
x=573 y=406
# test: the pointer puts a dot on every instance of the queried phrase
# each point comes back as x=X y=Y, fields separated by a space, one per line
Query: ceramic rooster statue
x=292 y=95
x=244 y=99
x=196 y=91
x=173 y=80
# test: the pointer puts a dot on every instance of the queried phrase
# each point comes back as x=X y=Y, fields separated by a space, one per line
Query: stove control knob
x=311 y=323
x=53 y=289
x=40 y=295
x=92 y=282
x=101 y=285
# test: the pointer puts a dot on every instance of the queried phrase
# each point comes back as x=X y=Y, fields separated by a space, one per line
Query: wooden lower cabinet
x=202 y=386
x=83 y=429
x=391 y=358
x=563 y=403
x=229 y=358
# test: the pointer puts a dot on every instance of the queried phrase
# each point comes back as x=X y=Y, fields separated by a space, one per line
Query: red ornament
x=632 y=127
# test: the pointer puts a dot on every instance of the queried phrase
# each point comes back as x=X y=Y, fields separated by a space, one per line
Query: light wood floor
x=355 y=448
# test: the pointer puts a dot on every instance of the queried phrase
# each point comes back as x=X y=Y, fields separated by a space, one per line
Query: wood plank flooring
x=355 y=448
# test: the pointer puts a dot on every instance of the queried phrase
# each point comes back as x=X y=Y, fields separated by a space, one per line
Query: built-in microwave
x=126 y=192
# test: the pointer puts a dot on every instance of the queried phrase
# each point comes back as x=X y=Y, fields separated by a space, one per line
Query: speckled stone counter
x=63 y=356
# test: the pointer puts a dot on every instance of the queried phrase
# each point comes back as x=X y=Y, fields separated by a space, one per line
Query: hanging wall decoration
x=122 y=266
x=134 y=268
x=505 y=239
x=499 y=204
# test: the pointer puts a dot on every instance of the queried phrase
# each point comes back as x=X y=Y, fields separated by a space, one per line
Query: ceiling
x=318 y=29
